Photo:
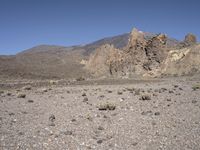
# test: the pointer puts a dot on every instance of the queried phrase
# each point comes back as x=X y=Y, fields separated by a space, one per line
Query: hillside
x=148 y=57
x=51 y=61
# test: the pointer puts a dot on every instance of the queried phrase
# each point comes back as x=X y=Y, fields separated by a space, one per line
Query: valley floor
x=139 y=115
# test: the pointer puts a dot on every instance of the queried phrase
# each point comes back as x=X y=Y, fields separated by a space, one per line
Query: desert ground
x=159 y=114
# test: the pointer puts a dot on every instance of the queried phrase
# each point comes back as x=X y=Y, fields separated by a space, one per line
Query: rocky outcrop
x=98 y=61
x=190 y=39
x=185 y=61
x=141 y=56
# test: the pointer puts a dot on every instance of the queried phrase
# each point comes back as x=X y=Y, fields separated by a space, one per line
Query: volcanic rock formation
x=147 y=57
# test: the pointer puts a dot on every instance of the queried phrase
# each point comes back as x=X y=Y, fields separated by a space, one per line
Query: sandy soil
x=137 y=116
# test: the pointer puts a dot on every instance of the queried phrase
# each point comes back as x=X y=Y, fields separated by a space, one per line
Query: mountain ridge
x=53 y=61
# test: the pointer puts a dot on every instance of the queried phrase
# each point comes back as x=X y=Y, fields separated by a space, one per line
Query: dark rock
x=21 y=95
x=119 y=92
x=84 y=94
x=146 y=112
x=175 y=86
x=11 y=114
x=100 y=128
x=180 y=89
x=30 y=101
x=157 y=113
x=134 y=143
x=73 y=120
x=52 y=118
x=99 y=141
x=8 y=94
x=21 y=133
x=146 y=97
x=27 y=88
x=169 y=99
x=1 y=92
x=85 y=99
x=68 y=92
x=44 y=90
x=67 y=132
x=154 y=94
x=109 y=91
x=194 y=101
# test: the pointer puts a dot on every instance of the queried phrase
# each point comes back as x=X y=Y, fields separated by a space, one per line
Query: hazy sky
x=27 y=23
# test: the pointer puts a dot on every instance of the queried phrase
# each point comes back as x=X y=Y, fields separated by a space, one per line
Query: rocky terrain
x=147 y=115
x=149 y=57
x=56 y=62
x=136 y=91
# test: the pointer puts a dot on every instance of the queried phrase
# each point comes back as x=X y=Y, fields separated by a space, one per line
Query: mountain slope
x=51 y=61
x=153 y=56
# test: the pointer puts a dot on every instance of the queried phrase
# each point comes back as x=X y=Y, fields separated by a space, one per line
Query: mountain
x=155 y=56
x=51 y=61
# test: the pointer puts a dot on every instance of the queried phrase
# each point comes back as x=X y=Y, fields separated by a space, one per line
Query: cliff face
x=146 y=57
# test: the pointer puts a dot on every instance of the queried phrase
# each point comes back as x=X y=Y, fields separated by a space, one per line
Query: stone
x=134 y=143
x=157 y=113
x=146 y=112
x=45 y=90
x=119 y=92
x=84 y=94
x=99 y=141
x=100 y=128
x=21 y=95
x=85 y=99
x=145 y=97
x=30 y=101
x=52 y=117
x=194 y=101
x=190 y=38
x=27 y=88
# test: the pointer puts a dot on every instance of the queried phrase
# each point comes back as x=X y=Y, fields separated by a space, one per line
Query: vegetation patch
x=196 y=87
x=107 y=106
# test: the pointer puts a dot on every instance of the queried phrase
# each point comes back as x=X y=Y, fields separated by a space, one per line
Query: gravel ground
x=162 y=115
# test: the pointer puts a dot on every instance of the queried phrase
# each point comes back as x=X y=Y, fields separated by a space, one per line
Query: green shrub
x=196 y=87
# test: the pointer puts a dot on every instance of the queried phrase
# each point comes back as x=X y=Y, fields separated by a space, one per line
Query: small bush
x=21 y=95
x=196 y=87
x=27 y=88
x=52 y=82
x=80 y=79
x=1 y=92
x=119 y=92
x=107 y=106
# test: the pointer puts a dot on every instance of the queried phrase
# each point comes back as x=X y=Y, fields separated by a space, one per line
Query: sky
x=28 y=23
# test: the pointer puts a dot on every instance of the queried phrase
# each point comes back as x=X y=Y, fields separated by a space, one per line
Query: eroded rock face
x=98 y=62
x=140 y=55
x=185 y=61
x=147 y=57
x=156 y=52
x=190 y=39
x=136 y=40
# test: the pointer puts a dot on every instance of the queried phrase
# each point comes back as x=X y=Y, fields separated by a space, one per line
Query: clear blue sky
x=27 y=23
